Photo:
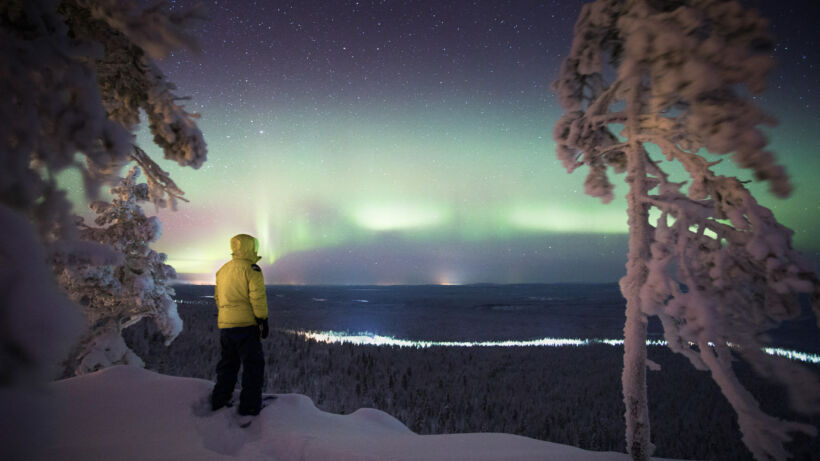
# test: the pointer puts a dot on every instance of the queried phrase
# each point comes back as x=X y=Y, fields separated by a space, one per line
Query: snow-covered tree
x=647 y=81
x=75 y=76
x=117 y=295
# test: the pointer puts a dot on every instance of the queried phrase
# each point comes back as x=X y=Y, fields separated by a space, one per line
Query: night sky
x=411 y=142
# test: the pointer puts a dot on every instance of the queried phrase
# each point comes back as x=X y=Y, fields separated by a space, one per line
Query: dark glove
x=263 y=327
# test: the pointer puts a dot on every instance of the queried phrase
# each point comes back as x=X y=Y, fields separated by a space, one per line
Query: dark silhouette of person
x=243 y=323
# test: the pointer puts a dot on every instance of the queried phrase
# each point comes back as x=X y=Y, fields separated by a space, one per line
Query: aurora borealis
x=411 y=142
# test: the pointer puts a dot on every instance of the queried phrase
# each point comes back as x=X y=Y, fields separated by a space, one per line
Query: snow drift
x=126 y=412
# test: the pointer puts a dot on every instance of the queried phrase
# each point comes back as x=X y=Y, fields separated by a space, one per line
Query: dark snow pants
x=240 y=345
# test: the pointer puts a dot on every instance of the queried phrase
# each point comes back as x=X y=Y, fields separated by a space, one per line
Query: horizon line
x=428 y=284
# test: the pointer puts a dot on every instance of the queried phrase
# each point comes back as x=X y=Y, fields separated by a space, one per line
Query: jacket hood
x=244 y=246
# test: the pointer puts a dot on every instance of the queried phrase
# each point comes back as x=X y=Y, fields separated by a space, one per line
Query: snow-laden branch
x=160 y=184
x=717 y=268
x=129 y=79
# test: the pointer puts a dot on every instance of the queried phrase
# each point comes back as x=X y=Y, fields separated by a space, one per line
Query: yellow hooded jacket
x=240 y=287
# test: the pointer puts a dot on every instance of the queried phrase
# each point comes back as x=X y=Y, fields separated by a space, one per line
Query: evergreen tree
x=76 y=75
x=115 y=296
x=717 y=268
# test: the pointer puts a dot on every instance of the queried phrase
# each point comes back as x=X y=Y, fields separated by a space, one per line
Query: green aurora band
x=303 y=181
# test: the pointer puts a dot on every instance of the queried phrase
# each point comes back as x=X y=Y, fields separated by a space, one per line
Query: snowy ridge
x=127 y=412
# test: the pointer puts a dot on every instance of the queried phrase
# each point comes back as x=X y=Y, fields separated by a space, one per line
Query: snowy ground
x=131 y=413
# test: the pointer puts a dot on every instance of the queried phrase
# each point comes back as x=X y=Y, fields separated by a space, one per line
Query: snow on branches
x=51 y=111
x=74 y=82
x=129 y=81
x=717 y=268
x=119 y=294
x=76 y=75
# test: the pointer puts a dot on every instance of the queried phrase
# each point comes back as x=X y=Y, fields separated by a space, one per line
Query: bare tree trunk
x=633 y=379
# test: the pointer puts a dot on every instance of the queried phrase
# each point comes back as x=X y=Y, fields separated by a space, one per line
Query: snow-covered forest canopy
x=647 y=82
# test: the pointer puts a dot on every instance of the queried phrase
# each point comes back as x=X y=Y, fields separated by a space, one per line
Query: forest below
x=568 y=395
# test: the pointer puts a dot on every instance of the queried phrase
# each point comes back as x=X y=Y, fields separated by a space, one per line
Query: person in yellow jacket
x=243 y=322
